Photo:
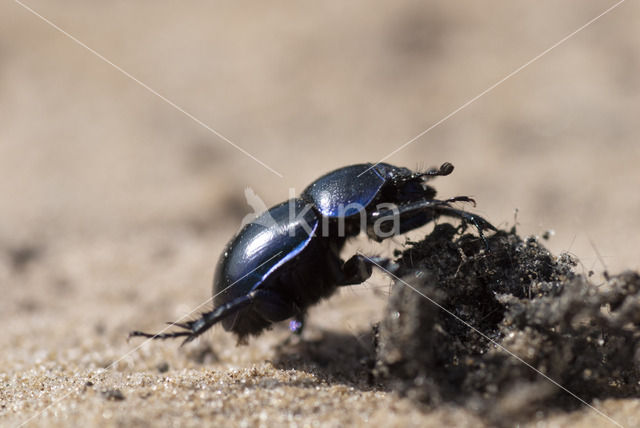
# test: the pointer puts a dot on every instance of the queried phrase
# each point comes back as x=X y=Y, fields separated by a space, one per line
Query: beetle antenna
x=445 y=169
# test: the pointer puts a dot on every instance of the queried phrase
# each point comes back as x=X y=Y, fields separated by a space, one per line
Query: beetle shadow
x=335 y=357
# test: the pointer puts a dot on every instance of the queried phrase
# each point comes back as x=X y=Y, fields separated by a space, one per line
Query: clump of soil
x=583 y=336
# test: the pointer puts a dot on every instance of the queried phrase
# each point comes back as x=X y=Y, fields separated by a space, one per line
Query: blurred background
x=115 y=205
x=310 y=87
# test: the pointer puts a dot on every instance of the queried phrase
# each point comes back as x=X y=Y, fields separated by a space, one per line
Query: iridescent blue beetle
x=288 y=258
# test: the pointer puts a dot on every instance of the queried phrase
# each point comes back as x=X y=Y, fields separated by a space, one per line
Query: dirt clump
x=530 y=304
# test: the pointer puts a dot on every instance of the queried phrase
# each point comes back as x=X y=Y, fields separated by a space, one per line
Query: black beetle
x=288 y=258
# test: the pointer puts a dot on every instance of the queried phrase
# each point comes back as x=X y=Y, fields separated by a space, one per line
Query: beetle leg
x=399 y=219
x=195 y=328
x=358 y=269
x=416 y=214
x=479 y=222
x=172 y=335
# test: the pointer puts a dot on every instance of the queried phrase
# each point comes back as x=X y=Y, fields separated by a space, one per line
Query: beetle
x=288 y=258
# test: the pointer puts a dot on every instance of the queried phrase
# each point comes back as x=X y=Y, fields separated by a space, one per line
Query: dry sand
x=115 y=206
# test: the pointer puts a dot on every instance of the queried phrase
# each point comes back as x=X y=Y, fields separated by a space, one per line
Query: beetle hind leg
x=195 y=328
x=162 y=336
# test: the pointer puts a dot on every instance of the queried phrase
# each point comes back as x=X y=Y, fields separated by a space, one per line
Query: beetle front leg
x=398 y=219
x=479 y=222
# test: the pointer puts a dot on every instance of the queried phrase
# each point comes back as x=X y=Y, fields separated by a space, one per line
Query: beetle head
x=407 y=185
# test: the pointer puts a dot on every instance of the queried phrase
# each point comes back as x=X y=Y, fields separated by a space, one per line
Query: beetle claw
x=137 y=333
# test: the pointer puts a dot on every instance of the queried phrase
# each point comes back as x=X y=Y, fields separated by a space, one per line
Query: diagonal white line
x=150 y=89
x=498 y=83
x=604 y=415
x=151 y=338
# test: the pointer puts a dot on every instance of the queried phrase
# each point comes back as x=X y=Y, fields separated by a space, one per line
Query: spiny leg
x=478 y=222
x=399 y=219
x=407 y=217
x=172 y=335
x=195 y=328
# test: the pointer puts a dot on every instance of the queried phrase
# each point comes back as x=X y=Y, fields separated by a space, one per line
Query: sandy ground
x=115 y=205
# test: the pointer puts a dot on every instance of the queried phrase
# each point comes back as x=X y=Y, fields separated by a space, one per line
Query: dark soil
x=582 y=335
